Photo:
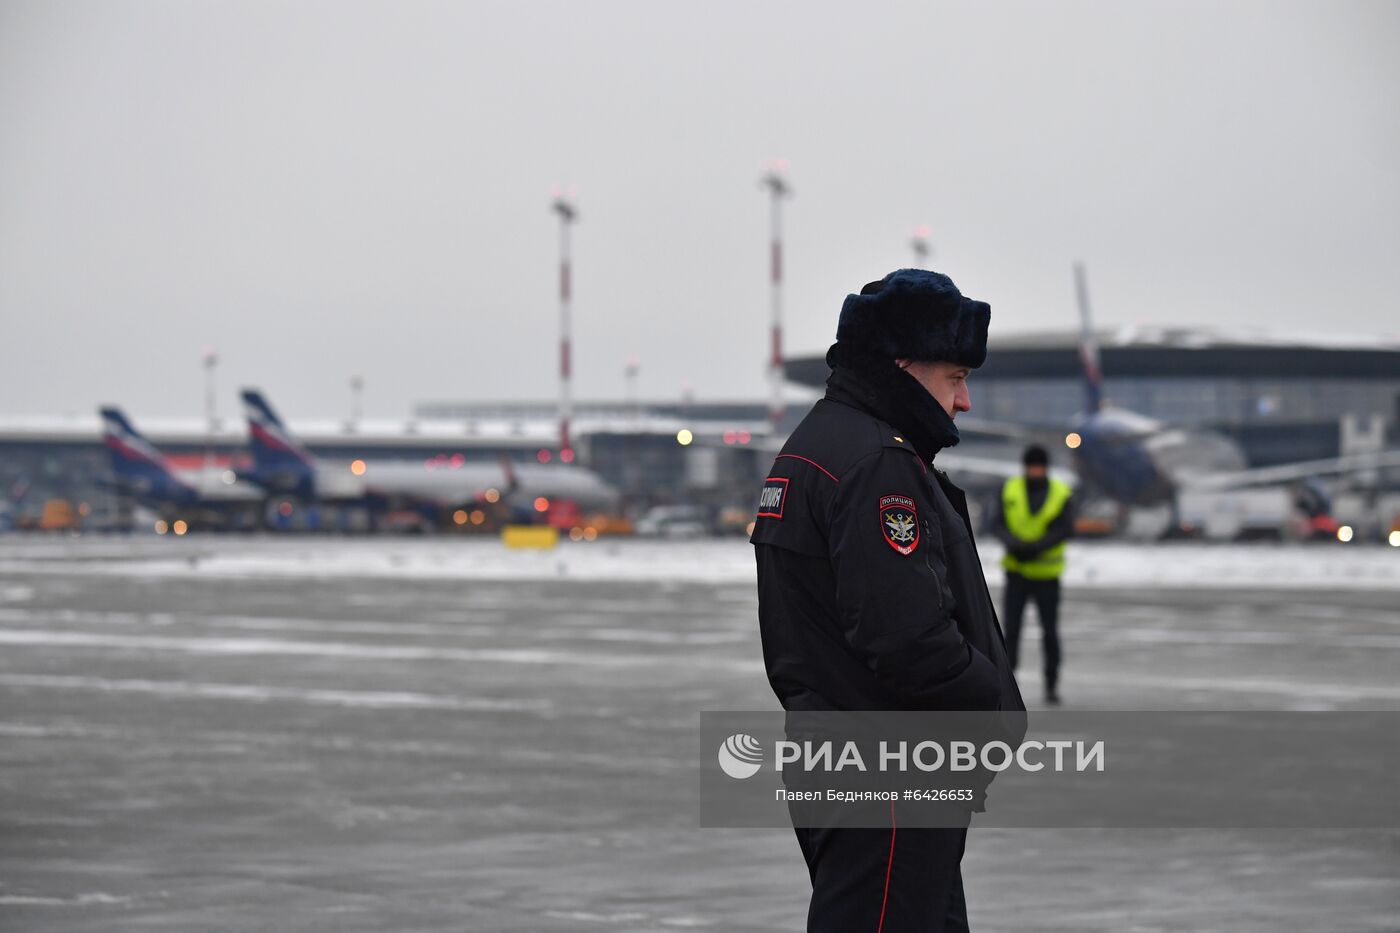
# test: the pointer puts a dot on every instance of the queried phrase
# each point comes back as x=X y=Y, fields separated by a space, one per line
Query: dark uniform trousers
x=1046 y=594
x=884 y=880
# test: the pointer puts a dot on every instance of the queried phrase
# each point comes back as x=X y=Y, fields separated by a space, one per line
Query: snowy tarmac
x=311 y=734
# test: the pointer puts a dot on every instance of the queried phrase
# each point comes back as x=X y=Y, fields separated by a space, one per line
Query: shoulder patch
x=772 y=497
x=899 y=522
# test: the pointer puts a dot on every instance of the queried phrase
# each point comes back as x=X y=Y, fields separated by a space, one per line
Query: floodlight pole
x=568 y=214
x=211 y=362
x=919 y=244
x=778 y=189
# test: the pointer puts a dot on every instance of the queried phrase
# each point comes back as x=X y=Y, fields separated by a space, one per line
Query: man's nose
x=963 y=400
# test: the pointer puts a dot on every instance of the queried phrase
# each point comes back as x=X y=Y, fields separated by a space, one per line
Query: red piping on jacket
x=812 y=462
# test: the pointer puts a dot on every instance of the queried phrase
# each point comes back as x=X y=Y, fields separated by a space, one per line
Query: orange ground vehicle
x=58 y=515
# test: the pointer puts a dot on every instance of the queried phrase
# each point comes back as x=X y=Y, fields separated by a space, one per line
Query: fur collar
x=876 y=385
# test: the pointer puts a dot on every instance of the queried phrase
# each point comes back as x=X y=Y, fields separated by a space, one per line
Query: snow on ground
x=1091 y=564
x=277 y=733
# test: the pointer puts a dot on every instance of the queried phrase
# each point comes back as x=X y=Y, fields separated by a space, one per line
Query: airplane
x=1136 y=461
x=1131 y=459
x=1140 y=461
x=435 y=488
x=202 y=497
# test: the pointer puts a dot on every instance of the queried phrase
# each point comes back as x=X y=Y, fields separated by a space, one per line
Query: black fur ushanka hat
x=915 y=314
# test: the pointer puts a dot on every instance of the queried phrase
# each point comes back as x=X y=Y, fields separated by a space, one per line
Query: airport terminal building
x=633 y=446
x=1282 y=401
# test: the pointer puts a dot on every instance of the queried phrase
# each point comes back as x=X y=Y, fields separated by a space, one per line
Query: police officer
x=1035 y=519
x=871 y=593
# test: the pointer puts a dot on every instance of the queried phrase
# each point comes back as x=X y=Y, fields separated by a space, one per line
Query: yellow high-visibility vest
x=1031 y=527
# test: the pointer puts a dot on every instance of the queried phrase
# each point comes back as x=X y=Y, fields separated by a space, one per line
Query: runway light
x=1345 y=534
x=229 y=477
x=457 y=461
x=179 y=527
x=357 y=467
x=541 y=504
x=1073 y=440
x=430 y=463
x=284 y=509
x=731 y=437
x=543 y=455
x=745 y=437
x=684 y=437
x=590 y=533
x=161 y=527
x=460 y=516
x=576 y=533
x=567 y=455
x=478 y=516
x=493 y=495
x=1394 y=539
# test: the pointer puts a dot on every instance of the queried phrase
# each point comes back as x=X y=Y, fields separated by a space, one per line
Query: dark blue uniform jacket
x=871 y=593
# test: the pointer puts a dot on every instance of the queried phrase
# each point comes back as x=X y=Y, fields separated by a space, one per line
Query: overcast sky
x=318 y=190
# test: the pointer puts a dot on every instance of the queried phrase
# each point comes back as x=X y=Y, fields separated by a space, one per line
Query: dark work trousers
x=884 y=880
x=1046 y=594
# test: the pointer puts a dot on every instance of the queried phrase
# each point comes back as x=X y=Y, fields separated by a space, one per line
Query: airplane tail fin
x=279 y=459
x=1088 y=345
x=272 y=443
x=136 y=463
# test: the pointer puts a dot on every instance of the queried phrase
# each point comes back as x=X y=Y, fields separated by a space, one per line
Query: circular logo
x=740 y=756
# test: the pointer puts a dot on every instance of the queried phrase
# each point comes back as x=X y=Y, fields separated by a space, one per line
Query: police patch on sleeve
x=770 y=500
x=900 y=523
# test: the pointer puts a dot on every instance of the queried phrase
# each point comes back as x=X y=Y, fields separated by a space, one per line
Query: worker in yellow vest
x=1035 y=519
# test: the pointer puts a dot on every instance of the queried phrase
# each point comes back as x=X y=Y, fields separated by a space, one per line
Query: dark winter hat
x=1035 y=455
x=918 y=315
